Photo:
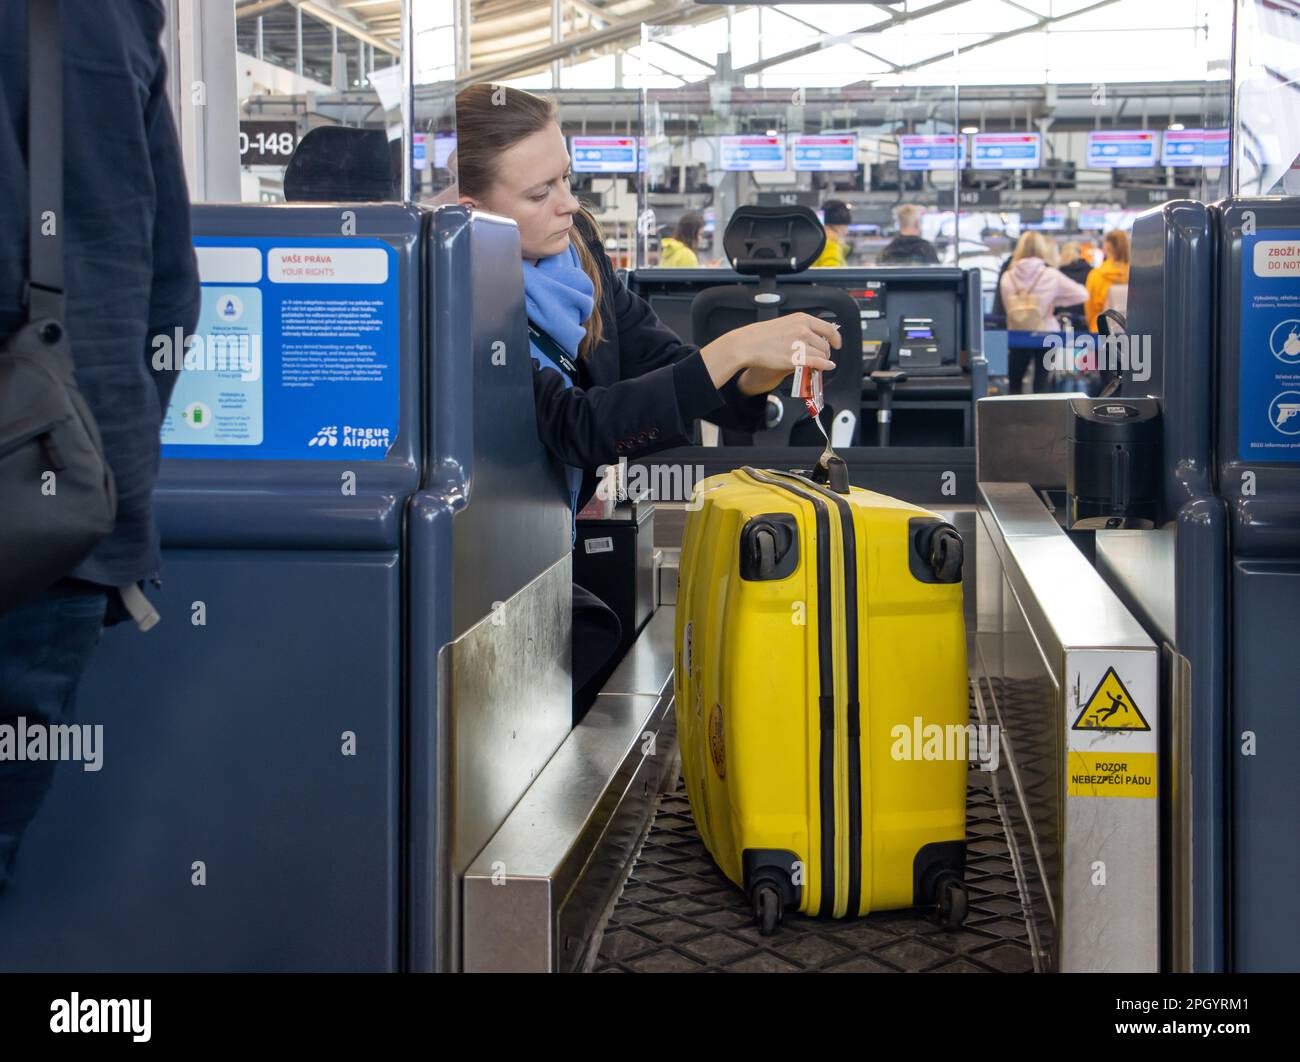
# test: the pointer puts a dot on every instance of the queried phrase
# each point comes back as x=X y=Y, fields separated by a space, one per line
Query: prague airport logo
x=353 y=438
x=1284 y=342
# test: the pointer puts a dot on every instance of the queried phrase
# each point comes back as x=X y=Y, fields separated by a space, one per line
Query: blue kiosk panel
x=1259 y=478
x=247 y=812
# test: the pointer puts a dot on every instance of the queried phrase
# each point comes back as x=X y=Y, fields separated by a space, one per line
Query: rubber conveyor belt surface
x=679 y=914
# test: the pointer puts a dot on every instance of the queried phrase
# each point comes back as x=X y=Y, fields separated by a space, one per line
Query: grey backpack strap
x=45 y=160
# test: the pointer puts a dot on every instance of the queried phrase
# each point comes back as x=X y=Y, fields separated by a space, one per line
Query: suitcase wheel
x=767 y=909
x=952 y=904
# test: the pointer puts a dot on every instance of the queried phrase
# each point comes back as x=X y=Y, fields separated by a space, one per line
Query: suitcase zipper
x=853 y=721
x=826 y=682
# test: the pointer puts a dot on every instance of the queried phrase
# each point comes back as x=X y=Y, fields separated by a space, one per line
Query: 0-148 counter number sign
x=267 y=143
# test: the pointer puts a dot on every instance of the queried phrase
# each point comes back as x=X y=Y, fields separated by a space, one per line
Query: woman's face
x=532 y=187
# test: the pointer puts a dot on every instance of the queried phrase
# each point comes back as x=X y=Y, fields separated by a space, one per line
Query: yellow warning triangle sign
x=1111 y=707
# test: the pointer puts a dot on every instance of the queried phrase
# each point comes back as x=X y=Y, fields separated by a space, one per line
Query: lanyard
x=554 y=351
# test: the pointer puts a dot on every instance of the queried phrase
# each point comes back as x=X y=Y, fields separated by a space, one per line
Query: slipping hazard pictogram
x=1111 y=707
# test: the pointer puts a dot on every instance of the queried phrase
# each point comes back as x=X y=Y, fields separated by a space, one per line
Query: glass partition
x=1082 y=115
x=384 y=70
x=1266 y=122
x=826 y=106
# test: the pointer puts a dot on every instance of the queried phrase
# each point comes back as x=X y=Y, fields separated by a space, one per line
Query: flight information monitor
x=604 y=154
x=825 y=152
x=1053 y=219
x=924 y=151
x=1093 y=219
x=1006 y=151
x=753 y=151
x=1195 y=147
x=1218 y=148
x=1112 y=148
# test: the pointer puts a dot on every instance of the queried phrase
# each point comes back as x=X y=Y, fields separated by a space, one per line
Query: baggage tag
x=808 y=386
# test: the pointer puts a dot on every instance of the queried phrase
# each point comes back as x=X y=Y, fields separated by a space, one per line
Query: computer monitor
x=1113 y=148
x=603 y=154
x=932 y=151
x=1006 y=151
x=824 y=152
x=750 y=152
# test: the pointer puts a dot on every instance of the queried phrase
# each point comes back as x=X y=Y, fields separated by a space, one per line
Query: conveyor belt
x=678 y=913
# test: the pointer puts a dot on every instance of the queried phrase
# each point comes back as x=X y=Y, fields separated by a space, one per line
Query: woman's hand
x=766 y=352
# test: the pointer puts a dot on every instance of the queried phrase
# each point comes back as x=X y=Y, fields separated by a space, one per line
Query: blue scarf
x=559 y=296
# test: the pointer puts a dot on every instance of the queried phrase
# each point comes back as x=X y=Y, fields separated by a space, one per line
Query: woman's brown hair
x=688 y=229
x=1117 y=245
x=490 y=119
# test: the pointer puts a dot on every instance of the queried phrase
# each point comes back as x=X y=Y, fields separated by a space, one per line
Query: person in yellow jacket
x=678 y=250
x=1113 y=270
x=836 y=221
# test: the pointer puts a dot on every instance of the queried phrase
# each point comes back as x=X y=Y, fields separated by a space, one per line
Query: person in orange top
x=1114 y=270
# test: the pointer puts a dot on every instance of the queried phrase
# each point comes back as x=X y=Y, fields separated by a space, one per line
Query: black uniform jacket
x=640 y=390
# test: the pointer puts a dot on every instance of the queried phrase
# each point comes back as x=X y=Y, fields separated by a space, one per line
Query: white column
x=199 y=43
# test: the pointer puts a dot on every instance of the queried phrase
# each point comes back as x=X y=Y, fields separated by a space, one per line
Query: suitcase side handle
x=769 y=547
x=936 y=550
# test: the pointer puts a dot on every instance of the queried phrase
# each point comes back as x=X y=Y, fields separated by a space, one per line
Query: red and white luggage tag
x=808 y=386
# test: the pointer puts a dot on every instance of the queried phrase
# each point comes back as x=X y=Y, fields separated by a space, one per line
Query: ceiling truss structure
x=510 y=39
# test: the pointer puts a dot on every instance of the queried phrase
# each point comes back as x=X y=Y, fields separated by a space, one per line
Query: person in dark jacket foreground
x=610 y=380
x=129 y=275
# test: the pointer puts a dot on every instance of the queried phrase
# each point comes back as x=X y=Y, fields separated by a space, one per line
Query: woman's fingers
x=825 y=329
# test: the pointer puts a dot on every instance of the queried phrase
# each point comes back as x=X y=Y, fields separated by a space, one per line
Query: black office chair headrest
x=765 y=241
x=335 y=163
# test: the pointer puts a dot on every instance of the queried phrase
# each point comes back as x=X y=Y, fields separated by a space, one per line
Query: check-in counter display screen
x=826 y=152
x=1195 y=147
x=1117 y=148
x=753 y=152
x=604 y=154
x=296 y=354
x=1007 y=151
x=944 y=151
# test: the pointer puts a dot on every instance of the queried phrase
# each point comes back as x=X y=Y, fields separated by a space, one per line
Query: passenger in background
x=908 y=248
x=1031 y=290
x=1113 y=271
x=836 y=221
x=609 y=379
x=1076 y=266
x=680 y=250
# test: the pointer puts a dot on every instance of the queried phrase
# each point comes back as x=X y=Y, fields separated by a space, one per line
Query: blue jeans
x=44 y=649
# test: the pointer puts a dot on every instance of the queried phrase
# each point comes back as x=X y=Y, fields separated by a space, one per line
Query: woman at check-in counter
x=609 y=379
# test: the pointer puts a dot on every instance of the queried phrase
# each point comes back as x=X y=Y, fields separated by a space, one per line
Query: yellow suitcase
x=819 y=643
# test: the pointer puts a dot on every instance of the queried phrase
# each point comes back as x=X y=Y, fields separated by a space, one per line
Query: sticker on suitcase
x=717 y=743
